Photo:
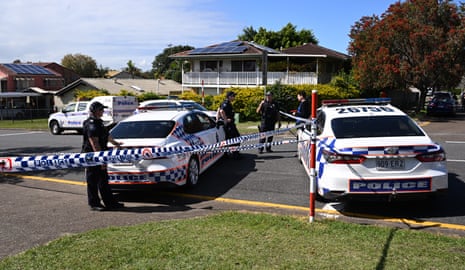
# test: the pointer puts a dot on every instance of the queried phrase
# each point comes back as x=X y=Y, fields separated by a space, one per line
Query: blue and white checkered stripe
x=329 y=144
x=76 y=160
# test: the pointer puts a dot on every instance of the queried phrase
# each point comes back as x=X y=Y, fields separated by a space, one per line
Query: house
x=114 y=87
x=40 y=80
x=247 y=64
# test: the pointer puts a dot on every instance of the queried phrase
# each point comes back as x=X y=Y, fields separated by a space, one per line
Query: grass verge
x=234 y=240
x=34 y=124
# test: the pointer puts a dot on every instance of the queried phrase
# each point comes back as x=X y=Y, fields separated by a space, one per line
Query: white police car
x=172 y=104
x=165 y=129
x=367 y=147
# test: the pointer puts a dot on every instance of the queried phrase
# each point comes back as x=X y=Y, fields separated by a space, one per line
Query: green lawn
x=233 y=240
x=35 y=124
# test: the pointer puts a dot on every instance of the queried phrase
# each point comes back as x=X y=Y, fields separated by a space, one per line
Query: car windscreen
x=142 y=129
x=379 y=126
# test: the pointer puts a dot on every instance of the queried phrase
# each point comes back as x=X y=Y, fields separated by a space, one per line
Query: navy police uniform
x=229 y=126
x=269 y=111
x=97 y=176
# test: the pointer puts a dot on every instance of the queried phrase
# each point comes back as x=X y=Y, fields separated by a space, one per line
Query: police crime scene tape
x=116 y=155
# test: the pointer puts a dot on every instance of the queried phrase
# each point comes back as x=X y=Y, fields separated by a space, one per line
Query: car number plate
x=390 y=164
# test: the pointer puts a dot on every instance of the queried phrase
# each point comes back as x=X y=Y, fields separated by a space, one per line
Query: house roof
x=311 y=49
x=114 y=86
x=240 y=49
x=26 y=69
x=237 y=48
x=112 y=74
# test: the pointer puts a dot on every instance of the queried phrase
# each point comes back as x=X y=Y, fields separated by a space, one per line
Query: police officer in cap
x=269 y=111
x=226 y=112
x=95 y=139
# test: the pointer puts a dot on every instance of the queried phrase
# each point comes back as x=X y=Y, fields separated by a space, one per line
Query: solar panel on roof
x=28 y=69
x=219 y=50
x=230 y=44
x=226 y=47
x=199 y=51
x=239 y=49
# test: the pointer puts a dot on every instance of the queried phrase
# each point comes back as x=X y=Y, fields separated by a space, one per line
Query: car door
x=205 y=128
x=75 y=114
x=68 y=112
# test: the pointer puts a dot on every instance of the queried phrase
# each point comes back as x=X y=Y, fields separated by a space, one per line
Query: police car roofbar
x=357 y=101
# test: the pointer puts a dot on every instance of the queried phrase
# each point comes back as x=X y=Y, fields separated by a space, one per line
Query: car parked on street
x=441 y=103
x=172 y=104
x=367 y=148
x=165 y=129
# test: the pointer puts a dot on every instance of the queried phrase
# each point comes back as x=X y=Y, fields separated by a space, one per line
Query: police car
x=367 y=147
x=165 y=129
x=172 y=104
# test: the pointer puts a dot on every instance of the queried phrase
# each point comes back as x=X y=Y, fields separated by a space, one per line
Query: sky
x=114 y=32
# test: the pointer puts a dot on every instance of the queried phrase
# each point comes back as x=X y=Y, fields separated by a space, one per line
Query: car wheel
x=55 y=128
x=192 y=172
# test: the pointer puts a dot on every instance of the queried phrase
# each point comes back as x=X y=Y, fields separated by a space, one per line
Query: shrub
x=247 y=99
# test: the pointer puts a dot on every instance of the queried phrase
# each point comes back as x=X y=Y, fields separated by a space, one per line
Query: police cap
x=96 y=106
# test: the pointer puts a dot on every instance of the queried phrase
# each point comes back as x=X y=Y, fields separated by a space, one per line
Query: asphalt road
x=35 y=209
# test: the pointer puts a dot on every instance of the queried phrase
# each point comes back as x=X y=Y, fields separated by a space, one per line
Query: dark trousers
x=269 y=139
x=97 y=181
x=232 y=132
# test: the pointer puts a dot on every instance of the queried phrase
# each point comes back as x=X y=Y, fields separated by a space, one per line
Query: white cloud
x=111 y=32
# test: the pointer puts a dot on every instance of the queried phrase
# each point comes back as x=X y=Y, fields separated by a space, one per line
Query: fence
x=23 y=114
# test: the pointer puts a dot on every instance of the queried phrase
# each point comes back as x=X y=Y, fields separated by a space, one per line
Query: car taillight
x=335 y=158
x=432 y=157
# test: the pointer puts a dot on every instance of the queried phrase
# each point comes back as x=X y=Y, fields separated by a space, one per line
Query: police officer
x=269 y=111
x=226 y=113
x=95 y=139
x=303 y=110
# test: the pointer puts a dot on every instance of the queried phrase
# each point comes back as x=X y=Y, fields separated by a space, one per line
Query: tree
x=83 y=65
x=102 y=71
x=287 y=37
x=162 y=65
x=248 y=35
x=417 y=43
x=133 y=70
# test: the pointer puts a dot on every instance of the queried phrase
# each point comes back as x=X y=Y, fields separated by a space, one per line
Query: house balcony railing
x=228 y=79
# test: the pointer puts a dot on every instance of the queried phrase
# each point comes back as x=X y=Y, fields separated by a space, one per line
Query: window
x=240 y=66
x=52 y=83
x=249 y=65
x=192 y=124
x=82 y=107
x=142 y=130
x=69 y=108
x=236 y=66
x=320 y=122
x=381 y=126
x=206 y=66
x=23 y=83
x=206 y=122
